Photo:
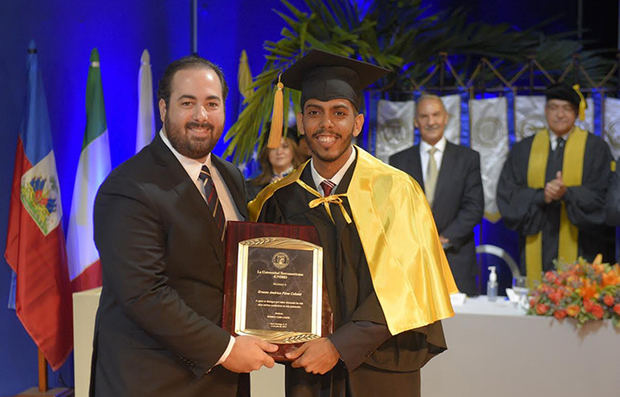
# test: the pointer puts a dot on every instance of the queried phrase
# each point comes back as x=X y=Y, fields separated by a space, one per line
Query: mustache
x=322 y=131
x=193 y=124
x=433 y=127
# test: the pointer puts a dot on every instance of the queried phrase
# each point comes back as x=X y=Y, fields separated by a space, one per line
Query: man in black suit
x=451 y=180
x=159 y=218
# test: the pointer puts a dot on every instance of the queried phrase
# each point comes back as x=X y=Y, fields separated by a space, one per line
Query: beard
x=188 y=146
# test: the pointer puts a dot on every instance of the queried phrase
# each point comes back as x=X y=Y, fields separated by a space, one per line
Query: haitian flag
x=35 y=247
x=93 y=167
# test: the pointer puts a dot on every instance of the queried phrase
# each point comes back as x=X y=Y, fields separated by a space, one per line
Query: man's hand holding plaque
x=248 y=354
x=317 y=356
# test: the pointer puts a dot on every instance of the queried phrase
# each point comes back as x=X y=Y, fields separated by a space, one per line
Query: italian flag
x=93 y=168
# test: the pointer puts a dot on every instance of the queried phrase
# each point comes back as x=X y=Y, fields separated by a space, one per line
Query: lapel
x=416 y=165
x=186 y=190
x=444 y=178
x=237 y=194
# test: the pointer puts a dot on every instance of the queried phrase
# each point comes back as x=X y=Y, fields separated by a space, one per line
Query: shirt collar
x=554 y=138
x=191 y=166
x=440 y=145
x=317 y=178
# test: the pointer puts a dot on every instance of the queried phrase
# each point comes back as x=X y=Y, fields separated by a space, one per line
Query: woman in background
x=275 y=163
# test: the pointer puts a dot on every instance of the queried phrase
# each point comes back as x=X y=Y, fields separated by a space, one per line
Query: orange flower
x=573 y=310
x=588 y=290
x=555 y=297
x=608 y=299
x=550 y=277
x=598 y=268
x=588 y=305
x=559 y=314
x=541 y=308
x=597 y=311
x=617 y=308
x=610 y=278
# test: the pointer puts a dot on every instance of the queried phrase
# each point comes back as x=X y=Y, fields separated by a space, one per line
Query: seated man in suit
x=159 y=220
x=450 y=177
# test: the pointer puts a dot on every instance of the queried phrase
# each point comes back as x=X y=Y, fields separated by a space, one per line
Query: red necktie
x=327 y=187
x=212 y=200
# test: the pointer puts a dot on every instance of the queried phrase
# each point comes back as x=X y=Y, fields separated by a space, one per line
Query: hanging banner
x=489 y=136
x=611 y=127
x=452 y=103
x=394 y=127
x=529 y=115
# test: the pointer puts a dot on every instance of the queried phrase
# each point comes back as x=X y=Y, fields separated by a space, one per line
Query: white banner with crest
x=529 y=115
x=611 y=127
x=394 y=127
x=489 y=136
x=452 y=103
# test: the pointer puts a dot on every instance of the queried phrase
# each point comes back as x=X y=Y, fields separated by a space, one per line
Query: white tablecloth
x=494 y=349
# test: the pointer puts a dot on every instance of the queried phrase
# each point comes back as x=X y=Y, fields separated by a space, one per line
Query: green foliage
x=402 y=36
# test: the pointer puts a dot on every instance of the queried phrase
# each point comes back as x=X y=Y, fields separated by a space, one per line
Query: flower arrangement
x=583 y=291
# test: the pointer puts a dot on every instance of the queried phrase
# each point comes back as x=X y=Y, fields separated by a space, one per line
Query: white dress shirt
x=193 y=167
x=317 y=178
x=554 y=138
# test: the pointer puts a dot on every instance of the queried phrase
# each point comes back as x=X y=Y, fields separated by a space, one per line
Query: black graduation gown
x=372 y=361
x=523 y=208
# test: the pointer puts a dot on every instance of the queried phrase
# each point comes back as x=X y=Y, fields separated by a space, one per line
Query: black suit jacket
x=458 y=205
x=158 y=331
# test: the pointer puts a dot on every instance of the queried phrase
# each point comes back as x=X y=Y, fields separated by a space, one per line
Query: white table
x=495 y=349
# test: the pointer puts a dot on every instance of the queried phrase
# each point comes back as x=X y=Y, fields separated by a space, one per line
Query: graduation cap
x=324 y=76
x=570 y=94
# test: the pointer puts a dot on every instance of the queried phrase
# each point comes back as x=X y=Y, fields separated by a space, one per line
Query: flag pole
x=42 y=372
x=193 y=34
x=43 y=388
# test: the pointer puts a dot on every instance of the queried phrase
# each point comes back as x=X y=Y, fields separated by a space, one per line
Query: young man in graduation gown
x=553 y=186
x=387 y=277
x=450 y=177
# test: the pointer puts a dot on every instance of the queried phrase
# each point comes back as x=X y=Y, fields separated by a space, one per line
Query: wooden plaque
x=273 y=284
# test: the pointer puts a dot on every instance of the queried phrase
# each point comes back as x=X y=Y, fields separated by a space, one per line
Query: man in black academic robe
x=367 y=355
x=566 y=216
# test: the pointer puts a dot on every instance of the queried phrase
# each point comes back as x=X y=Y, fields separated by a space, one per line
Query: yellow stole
x=408 y=267
x=572 y=170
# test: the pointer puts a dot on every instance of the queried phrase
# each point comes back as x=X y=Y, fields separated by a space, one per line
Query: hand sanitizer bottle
x=492 y=285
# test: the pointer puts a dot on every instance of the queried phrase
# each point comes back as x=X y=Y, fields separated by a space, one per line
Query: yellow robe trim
x=409 y=270
x=572 y=170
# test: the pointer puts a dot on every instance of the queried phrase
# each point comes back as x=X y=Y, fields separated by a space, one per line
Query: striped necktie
x=327 y=187
x=212 y=200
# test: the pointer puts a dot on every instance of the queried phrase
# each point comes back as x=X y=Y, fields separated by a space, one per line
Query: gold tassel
x=275 y=133
x=582 y=103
